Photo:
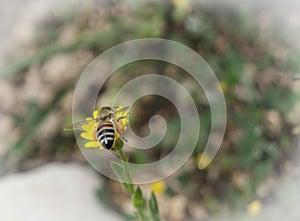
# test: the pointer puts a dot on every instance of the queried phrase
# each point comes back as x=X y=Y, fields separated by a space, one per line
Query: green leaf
x=120 y=173
x=119 y=170
x=154 y=207
x=137 y=199
x=118 y=145
x=129 y=187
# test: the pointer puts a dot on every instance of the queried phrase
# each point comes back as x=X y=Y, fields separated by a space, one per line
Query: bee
x=108 y=126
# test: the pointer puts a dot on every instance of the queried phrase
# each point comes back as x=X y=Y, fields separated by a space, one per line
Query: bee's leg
x=94 y=136
x=120 y=118
x=119 y=129
x=122 y=137
x=119 y=126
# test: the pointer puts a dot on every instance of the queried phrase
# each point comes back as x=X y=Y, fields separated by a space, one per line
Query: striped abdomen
x=105 y=134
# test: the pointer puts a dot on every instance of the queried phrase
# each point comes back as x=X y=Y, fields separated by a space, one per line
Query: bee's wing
x=75 y=126
x=121 y=110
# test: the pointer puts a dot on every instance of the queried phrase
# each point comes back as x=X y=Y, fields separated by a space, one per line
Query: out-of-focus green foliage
x=257 y=88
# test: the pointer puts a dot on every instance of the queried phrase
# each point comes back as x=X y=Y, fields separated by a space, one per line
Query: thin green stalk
x=141 y=215
x=126 y=169
x=129 y=181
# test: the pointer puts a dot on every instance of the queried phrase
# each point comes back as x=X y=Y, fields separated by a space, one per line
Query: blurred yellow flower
x=222 y=87
x=180 y=3
x=158 y=187
x=254 y=208
x=203 y=160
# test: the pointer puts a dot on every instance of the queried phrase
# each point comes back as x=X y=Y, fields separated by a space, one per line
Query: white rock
x=55 y=192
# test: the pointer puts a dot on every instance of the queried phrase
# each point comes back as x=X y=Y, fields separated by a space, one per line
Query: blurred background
x=253 y=47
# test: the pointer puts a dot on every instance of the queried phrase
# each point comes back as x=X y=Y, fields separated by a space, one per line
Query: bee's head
x=105 y=113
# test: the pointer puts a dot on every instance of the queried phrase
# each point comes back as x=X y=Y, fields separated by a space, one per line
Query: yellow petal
x=125 y=120
x=119 y=112
x=125 y=114
x=87 y=136
x=95 y=113
x=89 y=119
x=92 y=144
x=88 y=127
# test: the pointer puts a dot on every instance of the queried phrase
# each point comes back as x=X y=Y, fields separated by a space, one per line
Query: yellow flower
x=203 y=160
x=180 y=3
x=222 y=87
x=254 y=208
x=91 y=123
x=89 y=129
x=158 y=187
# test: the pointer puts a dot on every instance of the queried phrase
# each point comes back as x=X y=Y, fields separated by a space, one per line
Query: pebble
x=60 y=192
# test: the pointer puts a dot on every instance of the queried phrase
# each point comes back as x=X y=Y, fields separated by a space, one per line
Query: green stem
x=129 y=181
x=141 y=215
x=125 y=165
